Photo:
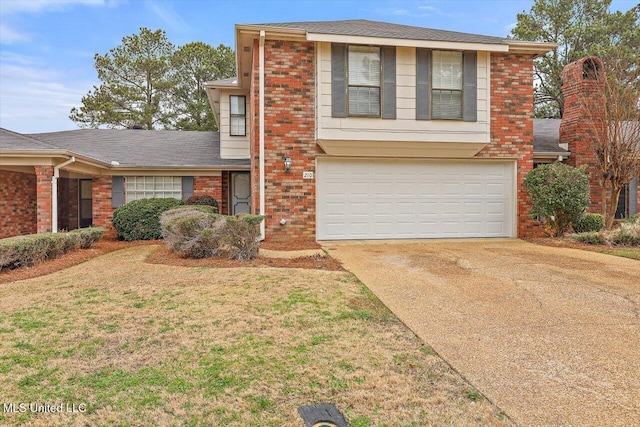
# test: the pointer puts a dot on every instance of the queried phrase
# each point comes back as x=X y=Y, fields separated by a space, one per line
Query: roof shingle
x=366 y=28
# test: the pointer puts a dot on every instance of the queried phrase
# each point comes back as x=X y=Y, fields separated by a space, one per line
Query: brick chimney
x=582 y=87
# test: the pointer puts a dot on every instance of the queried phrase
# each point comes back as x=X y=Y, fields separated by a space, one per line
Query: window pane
x=237 y=125
x=447 y=104
x=237 y=104
x=364 y=65
x=447 y=70
x=364 y=101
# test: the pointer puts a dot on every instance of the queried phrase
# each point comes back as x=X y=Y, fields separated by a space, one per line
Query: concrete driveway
x=551 y=335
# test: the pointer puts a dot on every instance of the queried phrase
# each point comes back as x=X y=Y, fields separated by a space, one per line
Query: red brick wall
x=224 y=198
x=43 y=197
x=289 y=131
x=102 y=210
x=512 y=124
x=208 y=186
x=17 y=203
x=577 y=127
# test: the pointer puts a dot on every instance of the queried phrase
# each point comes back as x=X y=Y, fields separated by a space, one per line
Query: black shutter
x=470 y=86
x=423 y=84
x=117 y=191
x=338 y=80
x=187 y=187
x=388 y=82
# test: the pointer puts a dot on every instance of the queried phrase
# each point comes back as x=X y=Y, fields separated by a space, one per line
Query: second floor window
x=364 y=81
x=446 y=87
x=237 y=116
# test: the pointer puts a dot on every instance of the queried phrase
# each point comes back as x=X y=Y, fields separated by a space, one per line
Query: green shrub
x=559 y=195
x=589 y=222
x=590 y=237
x=140 y=219
x=25 y=251
x=197 y=232
x=204 y=200
x=632 y=219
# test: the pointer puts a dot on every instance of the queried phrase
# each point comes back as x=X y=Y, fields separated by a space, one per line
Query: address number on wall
x=307 y=175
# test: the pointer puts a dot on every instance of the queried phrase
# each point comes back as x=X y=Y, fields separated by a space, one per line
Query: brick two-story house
x=338 y=130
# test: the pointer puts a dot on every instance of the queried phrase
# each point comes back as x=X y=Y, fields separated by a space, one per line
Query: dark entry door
x=85 y=203
x=240 y=193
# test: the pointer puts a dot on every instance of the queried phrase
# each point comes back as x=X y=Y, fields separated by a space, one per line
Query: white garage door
x=387 y=199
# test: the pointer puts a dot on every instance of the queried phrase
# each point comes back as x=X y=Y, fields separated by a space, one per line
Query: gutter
x=54 y=193
x=261 y=107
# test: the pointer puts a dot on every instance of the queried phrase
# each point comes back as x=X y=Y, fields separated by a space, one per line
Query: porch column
x=43 y=198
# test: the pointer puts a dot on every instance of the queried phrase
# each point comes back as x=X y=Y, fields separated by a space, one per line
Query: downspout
x=54 y=193
x=261 y=107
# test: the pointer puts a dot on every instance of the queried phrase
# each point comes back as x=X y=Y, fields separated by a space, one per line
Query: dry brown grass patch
x=149 y=344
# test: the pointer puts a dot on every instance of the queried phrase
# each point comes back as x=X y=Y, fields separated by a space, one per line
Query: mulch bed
x=164 y=256
x=289 y=244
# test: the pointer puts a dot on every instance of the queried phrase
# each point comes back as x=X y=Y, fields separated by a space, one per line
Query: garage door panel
x=360 y=199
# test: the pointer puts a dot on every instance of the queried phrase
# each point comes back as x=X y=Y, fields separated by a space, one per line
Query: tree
x=559 y=195
x=194 y=64
x=612 y=114
x=580 y=28
x=136 y=80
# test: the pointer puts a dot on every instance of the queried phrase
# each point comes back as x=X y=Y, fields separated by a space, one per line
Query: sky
x=47 y=46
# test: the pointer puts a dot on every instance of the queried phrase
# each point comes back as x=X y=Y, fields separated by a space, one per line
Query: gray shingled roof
x=10 y=140
x=366 y=28
x=546 y=136
x=130 y=148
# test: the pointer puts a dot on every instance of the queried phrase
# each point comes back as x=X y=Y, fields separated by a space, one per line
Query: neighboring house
x=98 y=170
x=573 y=132
x=349 y=129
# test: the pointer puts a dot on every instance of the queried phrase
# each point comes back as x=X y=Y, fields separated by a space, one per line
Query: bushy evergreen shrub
x=140 y=219
x=589 y=222
x=204 y=200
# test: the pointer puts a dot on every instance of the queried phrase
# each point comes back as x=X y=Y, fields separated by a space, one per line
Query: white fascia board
x=429 y=44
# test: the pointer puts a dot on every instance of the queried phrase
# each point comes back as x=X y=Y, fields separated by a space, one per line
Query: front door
x=85 y=203
x=240 y=193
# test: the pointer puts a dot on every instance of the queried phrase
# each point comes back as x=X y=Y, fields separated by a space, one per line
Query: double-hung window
x=446 y=87
x=237 y=115
x=364 y=81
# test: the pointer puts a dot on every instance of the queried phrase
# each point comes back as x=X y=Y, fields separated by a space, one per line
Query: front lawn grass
x=632 y=253
x=144 y=344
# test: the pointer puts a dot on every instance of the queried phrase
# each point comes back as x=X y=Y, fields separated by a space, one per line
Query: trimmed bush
x=140 y=219
x=86 y=237
x=591 y=238
x=25 y=251
x=559 y=195
x=197 y=232
x=589 y=222
x=204 y=200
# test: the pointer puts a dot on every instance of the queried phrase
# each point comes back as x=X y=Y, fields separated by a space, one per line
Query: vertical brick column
x=43 y=198
x=289 y=131
x=102 y=209
x=512 y=124
x=583 y=118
